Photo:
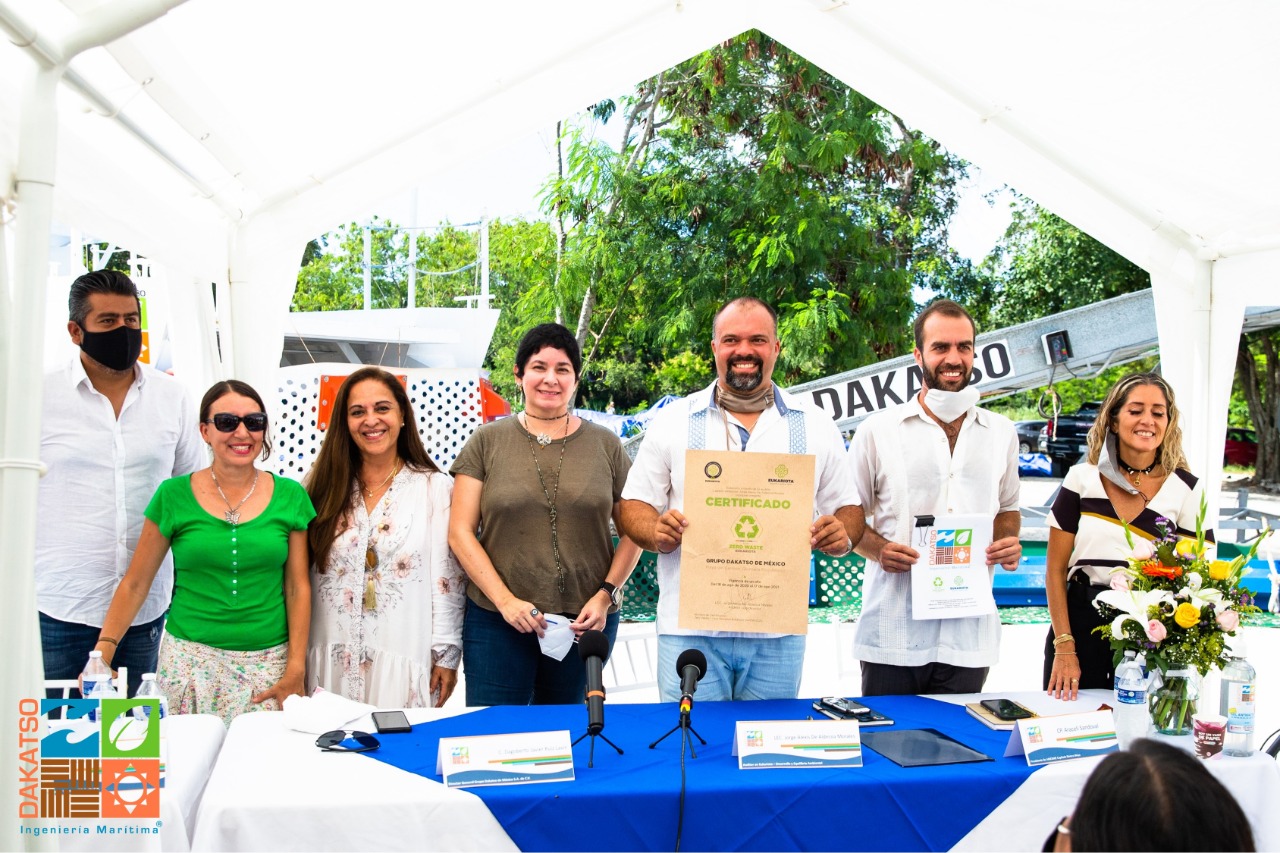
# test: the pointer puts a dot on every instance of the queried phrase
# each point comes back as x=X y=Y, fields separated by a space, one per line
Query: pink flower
x=1156 y=632
x=1143 y=550
x=1120 y=582
x=1228 y=620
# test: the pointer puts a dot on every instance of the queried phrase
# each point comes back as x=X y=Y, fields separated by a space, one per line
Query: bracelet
x=112 y=640
x=1063 y=638
x=848 y=548
x=1069 y=654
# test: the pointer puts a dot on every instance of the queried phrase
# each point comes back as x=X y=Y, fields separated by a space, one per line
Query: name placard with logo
x=744 y=559
x=797 y=743
x=512 y=759
x=1046 y=740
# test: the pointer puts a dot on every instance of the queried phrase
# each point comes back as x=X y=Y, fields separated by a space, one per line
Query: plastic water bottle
x=95 y=681
x=149 y=689
x=1239 y=683
x=1131 y=715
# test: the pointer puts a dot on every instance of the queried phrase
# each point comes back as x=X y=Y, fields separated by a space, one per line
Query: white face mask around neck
x=949 y=405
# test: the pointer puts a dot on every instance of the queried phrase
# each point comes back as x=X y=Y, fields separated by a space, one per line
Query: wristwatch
x=848 y=548
x=612 y=592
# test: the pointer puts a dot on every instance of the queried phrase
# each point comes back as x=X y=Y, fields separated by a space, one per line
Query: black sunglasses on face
x=223 y=422
x=333 y=741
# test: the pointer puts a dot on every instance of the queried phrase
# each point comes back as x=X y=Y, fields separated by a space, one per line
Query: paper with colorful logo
x=1045 y=740
x=744 y=559
x=514 y=759
x=951 y=579
x=797 y=743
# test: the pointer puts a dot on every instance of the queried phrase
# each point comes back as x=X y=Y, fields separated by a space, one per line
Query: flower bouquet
x=1176 y=604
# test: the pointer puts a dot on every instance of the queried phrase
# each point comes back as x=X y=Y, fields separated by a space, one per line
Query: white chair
x=66 y=685
x=633 y=663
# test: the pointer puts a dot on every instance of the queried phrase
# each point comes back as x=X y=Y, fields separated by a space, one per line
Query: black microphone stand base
x=687 y=726
x=591 y=754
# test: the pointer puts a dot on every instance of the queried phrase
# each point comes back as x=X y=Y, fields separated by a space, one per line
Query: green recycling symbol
x=937 y=581
x=746 y=528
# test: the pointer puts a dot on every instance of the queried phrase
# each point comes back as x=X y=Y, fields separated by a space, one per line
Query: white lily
x=1134 y=605
x=1200 y=597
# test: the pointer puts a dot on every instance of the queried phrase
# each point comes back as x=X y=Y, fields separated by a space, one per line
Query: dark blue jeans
x=505 y=667
x=67 y=646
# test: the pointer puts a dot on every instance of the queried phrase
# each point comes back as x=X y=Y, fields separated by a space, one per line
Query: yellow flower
x=1188 y=548
x=1187 y=615
x=1219 y=570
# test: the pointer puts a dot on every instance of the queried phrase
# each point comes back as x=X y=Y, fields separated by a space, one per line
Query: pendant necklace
x=232 y=514
x=544 y=438
x=395 y=469
x=1136 y=473
x=553 y=494
x=370 y=599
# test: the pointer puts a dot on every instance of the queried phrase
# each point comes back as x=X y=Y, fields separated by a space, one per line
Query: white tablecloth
x=191 y=745
x=272 y=789
x=1025 y=819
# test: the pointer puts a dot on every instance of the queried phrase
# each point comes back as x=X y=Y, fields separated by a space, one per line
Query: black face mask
x=117 y=349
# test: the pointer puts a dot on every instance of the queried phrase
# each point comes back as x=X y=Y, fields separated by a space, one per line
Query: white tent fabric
x=217 y=137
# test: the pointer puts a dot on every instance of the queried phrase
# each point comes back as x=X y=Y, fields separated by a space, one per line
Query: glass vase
x=1173 y=703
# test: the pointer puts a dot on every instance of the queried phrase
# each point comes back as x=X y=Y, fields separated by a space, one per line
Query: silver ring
x=533 y=612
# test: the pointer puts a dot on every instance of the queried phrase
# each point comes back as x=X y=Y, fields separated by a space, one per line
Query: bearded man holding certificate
x=938 y=478
x=732 y=487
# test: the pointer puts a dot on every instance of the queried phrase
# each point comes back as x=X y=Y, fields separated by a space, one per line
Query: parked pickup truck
x=1066 y=439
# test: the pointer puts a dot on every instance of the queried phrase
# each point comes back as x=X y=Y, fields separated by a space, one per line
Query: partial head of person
x=548 y=363
x=234 y=423
x=1141 y=412
x=104 y=319
x=945 y=335
x=1156 y=797
x=744 y=340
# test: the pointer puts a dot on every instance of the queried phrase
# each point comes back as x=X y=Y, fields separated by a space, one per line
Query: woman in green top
x=236 y=636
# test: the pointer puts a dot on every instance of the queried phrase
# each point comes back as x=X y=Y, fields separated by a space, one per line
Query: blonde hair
x=1169 y=454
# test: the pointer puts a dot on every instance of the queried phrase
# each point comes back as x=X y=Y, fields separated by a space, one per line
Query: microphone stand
x=685 y=724
x=591 y=755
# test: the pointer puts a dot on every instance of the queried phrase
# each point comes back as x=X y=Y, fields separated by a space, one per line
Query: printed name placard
x=797 y=743
x=1044 y=740
x=514 y=759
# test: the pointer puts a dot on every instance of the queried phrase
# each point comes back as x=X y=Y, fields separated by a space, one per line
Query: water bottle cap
x=95 y=654
x=148 y=676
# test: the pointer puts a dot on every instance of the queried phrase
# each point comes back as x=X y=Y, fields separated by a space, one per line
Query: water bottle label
x=1131 y=697
x=1240 y=707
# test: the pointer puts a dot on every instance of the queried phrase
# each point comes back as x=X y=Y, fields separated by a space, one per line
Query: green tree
x=745 y=170
x=1258 y=377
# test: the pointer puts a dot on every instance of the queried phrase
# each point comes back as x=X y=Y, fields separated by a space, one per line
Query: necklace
x=551 y=497
x=233 y=513
x=544 y=438
x=1136 y=473
x=395 y=469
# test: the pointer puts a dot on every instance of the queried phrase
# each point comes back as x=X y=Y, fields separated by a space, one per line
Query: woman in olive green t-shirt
x=236 y=635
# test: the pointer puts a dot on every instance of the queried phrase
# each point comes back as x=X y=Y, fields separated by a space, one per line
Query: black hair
x=551 y=335
x=98 y=281
x=1138 y=800
x=234 y=386
x=946 y=308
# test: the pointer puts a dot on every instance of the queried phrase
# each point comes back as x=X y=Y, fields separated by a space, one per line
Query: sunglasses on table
x=336 y=741
x=224 y=422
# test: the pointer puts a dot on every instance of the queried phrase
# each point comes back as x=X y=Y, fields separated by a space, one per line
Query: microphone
x=593 y=648
x=690 y=666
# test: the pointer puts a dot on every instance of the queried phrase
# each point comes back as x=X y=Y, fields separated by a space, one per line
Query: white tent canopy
x=218 y=137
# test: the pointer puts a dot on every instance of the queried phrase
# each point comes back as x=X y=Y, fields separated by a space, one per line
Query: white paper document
x=951 y=579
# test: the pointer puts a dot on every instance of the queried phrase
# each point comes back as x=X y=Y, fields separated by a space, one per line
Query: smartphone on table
x=839 y=708
x=1007 y=709
x=390 y=721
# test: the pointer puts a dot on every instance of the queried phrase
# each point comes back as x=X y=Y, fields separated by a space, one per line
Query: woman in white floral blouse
x=387 y=594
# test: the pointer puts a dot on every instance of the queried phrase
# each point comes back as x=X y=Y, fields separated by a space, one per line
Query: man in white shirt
x=111 y=432
x=936 y=454
x=741 y=410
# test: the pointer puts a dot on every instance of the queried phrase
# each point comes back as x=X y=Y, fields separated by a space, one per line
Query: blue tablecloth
x=630 y=802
